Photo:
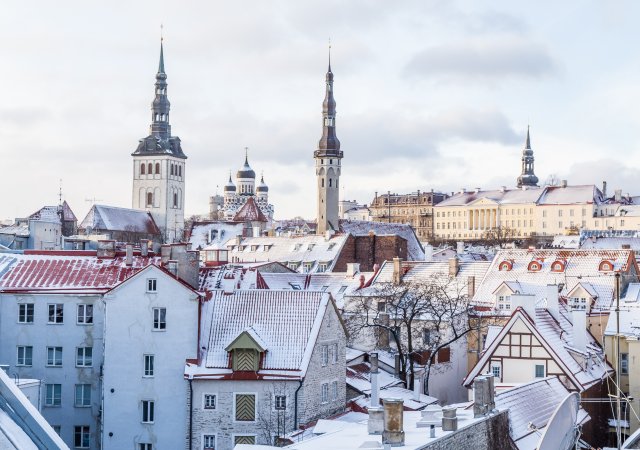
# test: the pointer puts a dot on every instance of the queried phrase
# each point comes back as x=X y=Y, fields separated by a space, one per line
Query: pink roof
x=250 y=213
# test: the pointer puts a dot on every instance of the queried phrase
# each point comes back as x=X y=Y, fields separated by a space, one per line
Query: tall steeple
x=328 y=164
x=160 y=107
x=527 y=177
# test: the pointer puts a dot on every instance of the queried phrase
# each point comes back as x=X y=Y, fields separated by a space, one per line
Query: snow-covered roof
x=112 y=218
x=268 y=313
x=213 y=235
x=580 y=266
x=415 y=252
x=611 y=243
x=66 y=271
x=629 y=314
x=308 y=249
x=499 y=196
x=420 y=271
x=21 y=230
x=562 y=241
x=359 y=378
x=570 y=195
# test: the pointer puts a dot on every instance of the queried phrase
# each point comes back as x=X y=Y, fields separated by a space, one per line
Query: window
x=539 y=370
x=152 y=285
x=85 y=314
x=149 y=361
x=495 y=370
x=56 y=313
x=54 y=356
x=180 y=171
x=83 y=395
x=53 y=395
x=147 y=411
x=25 y=313
x=25 y=356
x=325 y=354
x=322 y=267
x=426 y=336
x=209 y=401
x=149 y=196
x=342 y=289
x=157 y=168
x=281 y=402
x=504 y=302
x=142 y=169
x=57 y=429
x=245 y=407
x=84 y=356
x=159 y=319
x=145 y=446
x=209 y=442
x=624 y=364
x=81 y=435
x=325 y=393
x=334 y=390
x=382 y=306
x=175 y=199
x=334 y=353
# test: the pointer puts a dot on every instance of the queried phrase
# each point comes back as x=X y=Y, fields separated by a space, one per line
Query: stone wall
x=370 y=250
x=491 y=433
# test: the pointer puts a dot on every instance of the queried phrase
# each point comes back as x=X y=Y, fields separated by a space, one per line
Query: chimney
x=396 y=366
x=503 y=189
x=526 y=302
x=417 y=384
x=129 y=255
x=480 y=401
x=428 y=253
x=460 y=247
x=454 y=266
x=144 y=247
x=552 y=301
x=375 y=424
x=449 y=419
x=106 y=249
x=579 y=319
x=393 y=428
x=352 y=269
x=383 y=334
x=477 y=190
x=172 y=266
x=604 y=189
x=563 y=183
x=618 y=195
x=471 y=286
x=397 y=270
x=165 y=253
x=238 y=239
x=362 y=281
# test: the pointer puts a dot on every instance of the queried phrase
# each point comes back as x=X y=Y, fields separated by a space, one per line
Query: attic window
x=558 y=266
x=605 y=266
x=505 y=266
x=254 y=248
x=342 y=289
x=295 y=287
x=297 y=247
x=245 y=360
x=333 y=244
x=534 y=266
x=504 y=302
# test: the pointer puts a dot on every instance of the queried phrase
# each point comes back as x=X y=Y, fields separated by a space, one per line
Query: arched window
x=142 y=167
x=330 y=182
x=172 y=169
x=179 y=171
x=150 y=169
x=149 y=198
x=505 y=266
x=158 y=168
x=175 y=199
x=323 y=182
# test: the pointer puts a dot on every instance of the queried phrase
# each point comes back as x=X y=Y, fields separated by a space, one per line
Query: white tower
x=159 y=167
x=328 y=158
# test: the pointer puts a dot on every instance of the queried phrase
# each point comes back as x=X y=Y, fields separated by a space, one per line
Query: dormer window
x=504 y=302
x=558 y=266
x=505 y=266
x=605 y=266
x=578 y=303
x=534 y=266
x=246 y=350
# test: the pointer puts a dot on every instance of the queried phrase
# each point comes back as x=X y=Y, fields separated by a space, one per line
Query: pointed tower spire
x=161 y=64
x=527 y=177
x=329 y=70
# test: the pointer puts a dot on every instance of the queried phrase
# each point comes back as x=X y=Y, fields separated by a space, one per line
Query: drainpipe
x=295 y=408
x=190 y=414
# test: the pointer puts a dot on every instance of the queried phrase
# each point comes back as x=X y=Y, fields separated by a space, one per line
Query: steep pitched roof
x=111 y=218
x=250 y=213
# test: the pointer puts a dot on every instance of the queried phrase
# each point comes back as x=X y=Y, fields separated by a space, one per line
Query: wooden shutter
x=444 y=355
x=245 y=360
x=245 y=440
x=245 y=407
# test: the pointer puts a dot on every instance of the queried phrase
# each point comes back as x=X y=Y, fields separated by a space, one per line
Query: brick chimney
x=129 y=255
x=393 y=422
x=106 y=249
x=397 y=270
x=454 y=266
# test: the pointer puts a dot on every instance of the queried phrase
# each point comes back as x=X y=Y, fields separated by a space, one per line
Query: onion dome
x=229 y=187
x=246 y=171
x=262 y=187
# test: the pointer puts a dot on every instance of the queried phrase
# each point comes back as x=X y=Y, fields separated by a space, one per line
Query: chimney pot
x=129 y=255
x=449 y=418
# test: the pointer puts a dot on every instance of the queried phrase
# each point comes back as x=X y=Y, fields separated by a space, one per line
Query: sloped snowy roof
x=359 y=378
x=582 y=266
x=268 y=312
x=213 y=235
x=507 y=196
x=21 y=230
x=46 y=214
x=570 y=195
x=629 y=314
x=611 y=243
x=420 y=271
x=415 y=252
x=66 y=273
x=250 y=213
x=111 y=218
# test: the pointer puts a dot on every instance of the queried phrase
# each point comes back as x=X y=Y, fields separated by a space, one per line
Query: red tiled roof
x=250 y=213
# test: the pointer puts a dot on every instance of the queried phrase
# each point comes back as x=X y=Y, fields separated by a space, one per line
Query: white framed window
x=209 y=442
x=624 y=364
x=54 y=356
x=159 y=319
x=334 y=353
x=85 y=314
x=495 y=370
x=83 y=396
x=152 y=285
x=84 y=356
x=25 y=312
x=56 y=313
x=325 y=393
x=334 y=390
x=81 y=436
x=325 y=354
x=145 y=446
x=245 y=407
x=342 y=289
x=25 y=355
x=209 y=401
x=322 y=267
x=53 y=395
x=539 y=371
x=280 y=402
x=149 y=362
x=148 y=412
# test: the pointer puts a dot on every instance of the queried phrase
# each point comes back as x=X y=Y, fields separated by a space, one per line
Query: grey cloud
x=617 y=174
x=488 y=59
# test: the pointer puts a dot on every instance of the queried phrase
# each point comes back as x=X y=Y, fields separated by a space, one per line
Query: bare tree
x=499 y=236
x=274 y=418
x=419 y=320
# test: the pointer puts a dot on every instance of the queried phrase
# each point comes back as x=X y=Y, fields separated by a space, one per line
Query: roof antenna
x=329 y=54
x=161 y=33
x=60 y=193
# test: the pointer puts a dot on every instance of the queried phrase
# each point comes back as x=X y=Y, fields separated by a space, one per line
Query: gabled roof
x=252 y=334
x=111 y=218
x=587 y=287
x=213 y=235
x=555 y=337
x=416 y=271
x=268 y=313
x=250 y=213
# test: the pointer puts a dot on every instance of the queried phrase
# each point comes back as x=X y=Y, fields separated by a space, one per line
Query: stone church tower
x=328 y=158
x=527 y=177
x=159 y=167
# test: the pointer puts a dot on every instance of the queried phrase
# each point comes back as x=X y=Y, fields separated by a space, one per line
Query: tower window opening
x=175 y=199
x=323 y=182
x=149 y=198
x=179 y=171
x=142 y=169
x=172 y=170
x=150 y=169
x=157 y=168
x=330 y=182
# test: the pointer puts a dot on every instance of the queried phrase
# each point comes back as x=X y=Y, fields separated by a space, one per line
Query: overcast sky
x=430 y=94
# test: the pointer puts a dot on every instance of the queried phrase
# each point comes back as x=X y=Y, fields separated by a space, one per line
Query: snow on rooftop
x=213 y=235
x=112 y=218
x=415 y=251
x=506 y=196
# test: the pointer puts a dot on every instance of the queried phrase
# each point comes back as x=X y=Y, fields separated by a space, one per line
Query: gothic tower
x=328 y=157
x=159 y=166
x=527 y=177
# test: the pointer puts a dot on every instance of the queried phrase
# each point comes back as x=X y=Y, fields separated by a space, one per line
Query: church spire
x=527 y=177
x=329 y=143
x=160 y=107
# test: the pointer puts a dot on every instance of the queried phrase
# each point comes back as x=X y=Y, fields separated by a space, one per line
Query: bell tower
x=527 y=177
x=328 y=158
x=159 y=166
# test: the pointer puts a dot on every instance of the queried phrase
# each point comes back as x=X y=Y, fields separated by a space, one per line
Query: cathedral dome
x=246 y=171
x=229 y=187
x=262 y=187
